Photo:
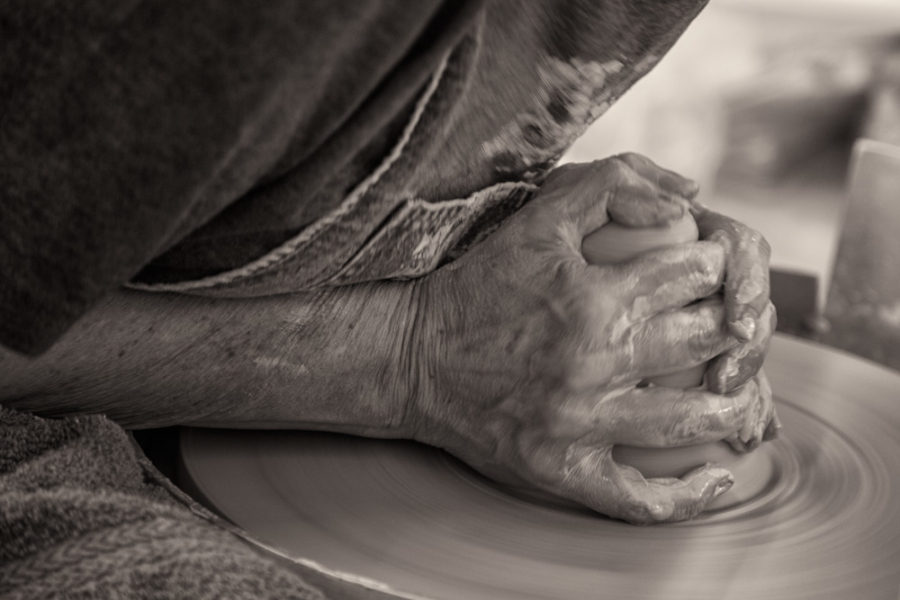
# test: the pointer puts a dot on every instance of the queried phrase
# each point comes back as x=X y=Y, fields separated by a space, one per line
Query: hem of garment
x=288 y=248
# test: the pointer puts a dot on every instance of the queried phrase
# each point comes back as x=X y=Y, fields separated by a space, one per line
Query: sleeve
x=126 y=125
x=83 y=513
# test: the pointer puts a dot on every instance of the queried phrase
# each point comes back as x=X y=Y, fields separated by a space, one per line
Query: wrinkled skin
x=749 y=313
x=528 y=358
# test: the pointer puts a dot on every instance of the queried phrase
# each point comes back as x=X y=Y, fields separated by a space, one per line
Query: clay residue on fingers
x=752 y=286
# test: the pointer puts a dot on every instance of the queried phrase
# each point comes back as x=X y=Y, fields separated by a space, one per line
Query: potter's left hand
x=749 y=314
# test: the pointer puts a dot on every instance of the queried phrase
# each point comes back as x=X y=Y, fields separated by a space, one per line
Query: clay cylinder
x=614 y=243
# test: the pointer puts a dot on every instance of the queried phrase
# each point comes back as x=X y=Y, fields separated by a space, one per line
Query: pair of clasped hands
x=532 y=358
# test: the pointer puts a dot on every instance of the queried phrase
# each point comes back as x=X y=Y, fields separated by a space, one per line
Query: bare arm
x=330 y=360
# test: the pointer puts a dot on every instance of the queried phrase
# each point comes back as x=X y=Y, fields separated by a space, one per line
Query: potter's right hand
x=528 y=358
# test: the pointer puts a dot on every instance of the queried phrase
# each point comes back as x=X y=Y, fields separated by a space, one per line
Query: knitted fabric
x=83 y=514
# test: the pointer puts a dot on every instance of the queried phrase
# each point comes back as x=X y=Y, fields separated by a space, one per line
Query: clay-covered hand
x=528 y=358
x=748 y=311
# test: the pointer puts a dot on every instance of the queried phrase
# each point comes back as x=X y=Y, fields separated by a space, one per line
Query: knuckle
x=707 y=260
x=617 y=168
x=720 y=237
x=753 y=240
x=633 y=159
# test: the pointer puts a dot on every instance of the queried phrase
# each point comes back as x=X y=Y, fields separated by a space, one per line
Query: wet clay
x=614 y=243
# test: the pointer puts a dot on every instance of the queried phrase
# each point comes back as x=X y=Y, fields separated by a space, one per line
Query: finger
x=653 y=196
x=687 y=497
x=752 y=434
x=666 y=180
x=766 y=408
x=576 y=196
x=736 y=366
x=660 y=417
x=679 y=339
x=640 y=204
x=747 y=269
x=594 y=480
x=661 y=279
x=746 y=291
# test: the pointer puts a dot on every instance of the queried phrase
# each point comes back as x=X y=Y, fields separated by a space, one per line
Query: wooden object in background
x=882 y=119
x=863 y=304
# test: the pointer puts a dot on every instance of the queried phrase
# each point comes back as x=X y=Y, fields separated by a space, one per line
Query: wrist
x=332 y=360
x=387 y=336
x=357 y=351
x=409 y=377
x=430 y=350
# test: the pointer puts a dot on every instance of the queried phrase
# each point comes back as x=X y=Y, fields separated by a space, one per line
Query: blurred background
x=762 y=102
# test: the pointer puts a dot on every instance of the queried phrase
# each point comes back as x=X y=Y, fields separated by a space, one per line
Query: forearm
x=334 y=360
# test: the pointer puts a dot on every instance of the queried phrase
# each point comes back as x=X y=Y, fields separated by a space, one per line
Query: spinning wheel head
x=825 y=524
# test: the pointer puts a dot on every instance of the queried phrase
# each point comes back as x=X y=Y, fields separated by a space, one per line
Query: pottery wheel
x=825 y=525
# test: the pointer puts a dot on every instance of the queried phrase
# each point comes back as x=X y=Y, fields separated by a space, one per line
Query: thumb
x=586 y=196
x=642 y=204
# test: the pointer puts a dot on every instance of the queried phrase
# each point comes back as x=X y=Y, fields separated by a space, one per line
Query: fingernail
x=736 y=443
x=724 y=485
x=745 y=328
x=772 y=429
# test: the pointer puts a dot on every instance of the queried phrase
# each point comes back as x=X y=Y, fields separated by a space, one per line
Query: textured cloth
x=126 y=125
x=84 y=515
x=235 y=148
x=239 y=148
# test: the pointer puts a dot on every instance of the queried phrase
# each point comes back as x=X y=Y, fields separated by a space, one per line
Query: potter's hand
x=528 y=357
x=748 y=312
